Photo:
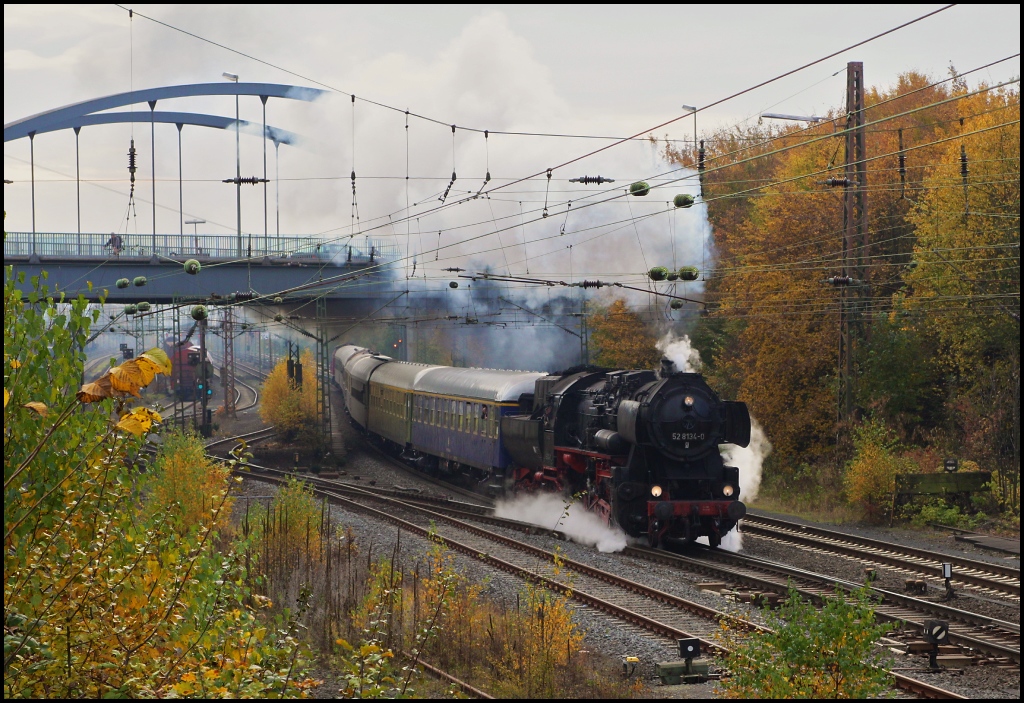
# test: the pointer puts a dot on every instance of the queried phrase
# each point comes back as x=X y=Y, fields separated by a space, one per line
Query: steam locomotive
x=638 y=448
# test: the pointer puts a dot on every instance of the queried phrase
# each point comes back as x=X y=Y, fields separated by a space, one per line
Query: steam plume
x=681 y=352
x=749 y=459
x=581 y=526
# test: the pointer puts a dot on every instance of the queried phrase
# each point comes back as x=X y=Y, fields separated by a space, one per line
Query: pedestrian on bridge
x=114 y=243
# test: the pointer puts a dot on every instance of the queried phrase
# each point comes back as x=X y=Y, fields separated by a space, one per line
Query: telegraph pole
x=204 y=376
x=855 y=234
x=229 y=362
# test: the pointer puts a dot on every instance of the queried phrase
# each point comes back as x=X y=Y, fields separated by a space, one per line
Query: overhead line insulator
x=591 y=180
x=837 y=182
x=839 y=281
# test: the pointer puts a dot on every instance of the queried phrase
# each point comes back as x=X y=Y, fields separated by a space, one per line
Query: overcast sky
x=600 y=69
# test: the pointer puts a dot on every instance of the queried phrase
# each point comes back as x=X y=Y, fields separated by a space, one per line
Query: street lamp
x=814 y=119
x=233 y=77
x=195 y=230
x=692 y=109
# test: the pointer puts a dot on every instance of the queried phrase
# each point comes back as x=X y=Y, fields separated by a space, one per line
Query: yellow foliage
x=285 y=405
x=541 y=636
x=186 y=483
x=39 y=408
x=139 y=421
x=871 y=477
x=622 y=340
x=126 y=379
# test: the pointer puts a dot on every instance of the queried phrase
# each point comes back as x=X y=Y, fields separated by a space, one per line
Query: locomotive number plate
x=687 y=437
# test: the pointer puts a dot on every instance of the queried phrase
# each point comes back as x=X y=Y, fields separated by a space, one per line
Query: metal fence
x=360 y=250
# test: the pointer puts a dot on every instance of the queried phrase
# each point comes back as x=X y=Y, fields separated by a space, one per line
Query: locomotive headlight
x=727 y=490
x=688 y=401
x=655 y=491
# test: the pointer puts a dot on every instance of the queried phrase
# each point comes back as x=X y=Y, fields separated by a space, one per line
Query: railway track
x=250 y=437
x=976 y=633
x=662 y=613
x=978 y=576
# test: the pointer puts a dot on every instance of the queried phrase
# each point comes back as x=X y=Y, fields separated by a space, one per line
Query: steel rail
x=470 y=691
x=675 y=602
x=815 y=586
x=249 y=437
x=991 y=636
x=993 y=577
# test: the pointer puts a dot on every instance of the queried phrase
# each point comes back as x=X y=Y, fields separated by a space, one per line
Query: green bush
x=810 y=653
x=938 y=511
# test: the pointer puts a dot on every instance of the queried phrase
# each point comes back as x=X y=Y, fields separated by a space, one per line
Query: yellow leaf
x=153 y=415
x=7 y=397
x=97 y=390
x=15 y=364
x=128 y=377
x=39 y=408
x=343 y=644
x=148 y=367
x=160 y=358
x=134 y=424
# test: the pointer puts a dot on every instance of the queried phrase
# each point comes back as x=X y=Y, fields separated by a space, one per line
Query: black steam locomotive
x=639 y=448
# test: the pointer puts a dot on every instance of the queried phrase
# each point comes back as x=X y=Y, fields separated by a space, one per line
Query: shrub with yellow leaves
x=291 y=408
x=104 y=594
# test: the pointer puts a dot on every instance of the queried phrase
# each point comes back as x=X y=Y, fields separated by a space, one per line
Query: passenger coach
x=442 y=418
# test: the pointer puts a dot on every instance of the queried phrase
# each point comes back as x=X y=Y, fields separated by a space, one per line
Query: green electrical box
x=687 y=670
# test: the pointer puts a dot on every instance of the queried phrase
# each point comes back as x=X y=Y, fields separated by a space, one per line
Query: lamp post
x=814 y=119
x=233 y=77
x=692 y=109
x=195 y=231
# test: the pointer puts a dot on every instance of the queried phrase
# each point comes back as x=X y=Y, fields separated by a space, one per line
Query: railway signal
x=936 y=632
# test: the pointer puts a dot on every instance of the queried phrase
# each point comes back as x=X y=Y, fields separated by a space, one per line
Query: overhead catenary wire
x=638 y=135
x=499 y=234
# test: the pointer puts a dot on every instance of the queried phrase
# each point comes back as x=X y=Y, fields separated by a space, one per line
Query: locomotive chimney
x=668 y=368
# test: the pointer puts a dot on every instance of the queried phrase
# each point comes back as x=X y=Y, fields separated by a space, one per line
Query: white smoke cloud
x=750 y=460
x=548 y=510
x=732 y=541
x=681 y=352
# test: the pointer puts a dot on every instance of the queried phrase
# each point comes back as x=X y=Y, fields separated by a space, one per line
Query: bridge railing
x=200 y=246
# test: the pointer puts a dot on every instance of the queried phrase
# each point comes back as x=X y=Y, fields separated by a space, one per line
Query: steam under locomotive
x=639 y=448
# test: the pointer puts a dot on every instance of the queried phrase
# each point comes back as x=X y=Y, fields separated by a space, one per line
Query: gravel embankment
x=613 y=638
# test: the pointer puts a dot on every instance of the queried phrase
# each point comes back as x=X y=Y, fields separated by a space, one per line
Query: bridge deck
x=261 y=264
x=184 y=246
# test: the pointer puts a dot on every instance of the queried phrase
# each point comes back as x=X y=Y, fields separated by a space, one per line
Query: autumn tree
x=963 y=287
x=289 y=406
x=115 y=585
x=937 y=339
x=621 y=339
